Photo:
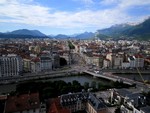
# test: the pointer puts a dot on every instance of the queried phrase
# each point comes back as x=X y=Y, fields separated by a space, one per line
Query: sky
x=70 y=16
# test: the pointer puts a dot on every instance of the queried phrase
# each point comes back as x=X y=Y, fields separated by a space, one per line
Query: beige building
x=27 y=65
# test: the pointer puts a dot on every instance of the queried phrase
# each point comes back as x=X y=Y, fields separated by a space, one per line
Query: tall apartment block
x=10 y=65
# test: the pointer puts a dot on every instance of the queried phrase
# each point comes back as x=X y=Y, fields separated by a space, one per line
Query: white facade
x=136 y=62
x=10 y=66
x=132 y=62
x=125 y=65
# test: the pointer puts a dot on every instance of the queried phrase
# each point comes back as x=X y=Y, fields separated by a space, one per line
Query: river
x=81 y=79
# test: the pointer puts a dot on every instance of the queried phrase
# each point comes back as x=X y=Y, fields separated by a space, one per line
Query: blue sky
x=70 y=16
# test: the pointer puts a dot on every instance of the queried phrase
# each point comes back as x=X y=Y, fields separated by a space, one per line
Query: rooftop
x=95 y=102
x=146 y=109
x=55 y=107
x=69 y=99
x=123 y=92
x=22 y=102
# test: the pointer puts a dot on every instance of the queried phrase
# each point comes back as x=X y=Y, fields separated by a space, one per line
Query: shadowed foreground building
x=83 y=101
x=25 y=103
x=55 y=106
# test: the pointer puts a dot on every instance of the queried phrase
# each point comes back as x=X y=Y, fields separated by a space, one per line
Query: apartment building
x=10 y=65
x=46 y=63
x=83 y=101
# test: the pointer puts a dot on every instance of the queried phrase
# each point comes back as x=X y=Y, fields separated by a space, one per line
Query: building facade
x=46 y=63
x=10 y=65
x=83 y=101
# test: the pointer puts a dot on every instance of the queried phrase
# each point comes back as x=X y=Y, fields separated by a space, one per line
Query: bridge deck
x=112 y=78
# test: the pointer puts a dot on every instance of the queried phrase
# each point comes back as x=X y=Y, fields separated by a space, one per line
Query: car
x=96 y=72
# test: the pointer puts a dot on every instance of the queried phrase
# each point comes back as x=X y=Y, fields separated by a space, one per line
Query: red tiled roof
x=3 y=97
x=22 y=102
x=37 y=59
x=55 y=107
x=138 y=56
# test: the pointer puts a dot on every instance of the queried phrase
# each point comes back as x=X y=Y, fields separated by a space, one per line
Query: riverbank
x=81 y=78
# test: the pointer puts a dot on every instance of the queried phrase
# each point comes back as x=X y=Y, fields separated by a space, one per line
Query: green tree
x=100 y=85
x=93 y=84
x=86 y=85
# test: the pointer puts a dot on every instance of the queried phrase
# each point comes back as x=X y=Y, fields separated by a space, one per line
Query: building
x=136 y=61
x=75 y=101
x=56 y=61
x=46 y=63
x=25 y=103
x=132 y=62
x=111 y=58
x=83 y=101
x=118 y=62
x=35 y=65
x=106 y=63
x=139 y=61
x=10 y=65
x=95 y=105
x=2 y=102
x=125 y=65
x=130 y=102
x=26 y=65
x=56 y=107
x=145 y=109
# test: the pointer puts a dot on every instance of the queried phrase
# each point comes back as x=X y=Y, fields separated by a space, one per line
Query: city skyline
x=70 y=16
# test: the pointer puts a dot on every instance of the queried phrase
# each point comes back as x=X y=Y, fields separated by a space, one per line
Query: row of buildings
x=33 y=56
x=14 y=65
x=130 y=102
x=22 y=103
x=114 y=55
x=68 y=103
x=114 y=61
x=75 y=102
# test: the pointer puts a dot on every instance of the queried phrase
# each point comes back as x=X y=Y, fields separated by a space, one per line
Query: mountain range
x=139 y=31
x=23 y=33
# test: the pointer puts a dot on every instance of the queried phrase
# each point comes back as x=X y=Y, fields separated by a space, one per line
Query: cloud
x=125 y=3
x=34 y=14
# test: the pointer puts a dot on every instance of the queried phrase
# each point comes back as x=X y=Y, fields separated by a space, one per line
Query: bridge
x=109 y=76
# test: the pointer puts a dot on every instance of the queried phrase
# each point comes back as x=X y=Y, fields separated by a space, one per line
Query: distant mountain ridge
x=85 y=35
x=140 y=31
x=27 y=32
x=61 y=36
x=115 y=30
